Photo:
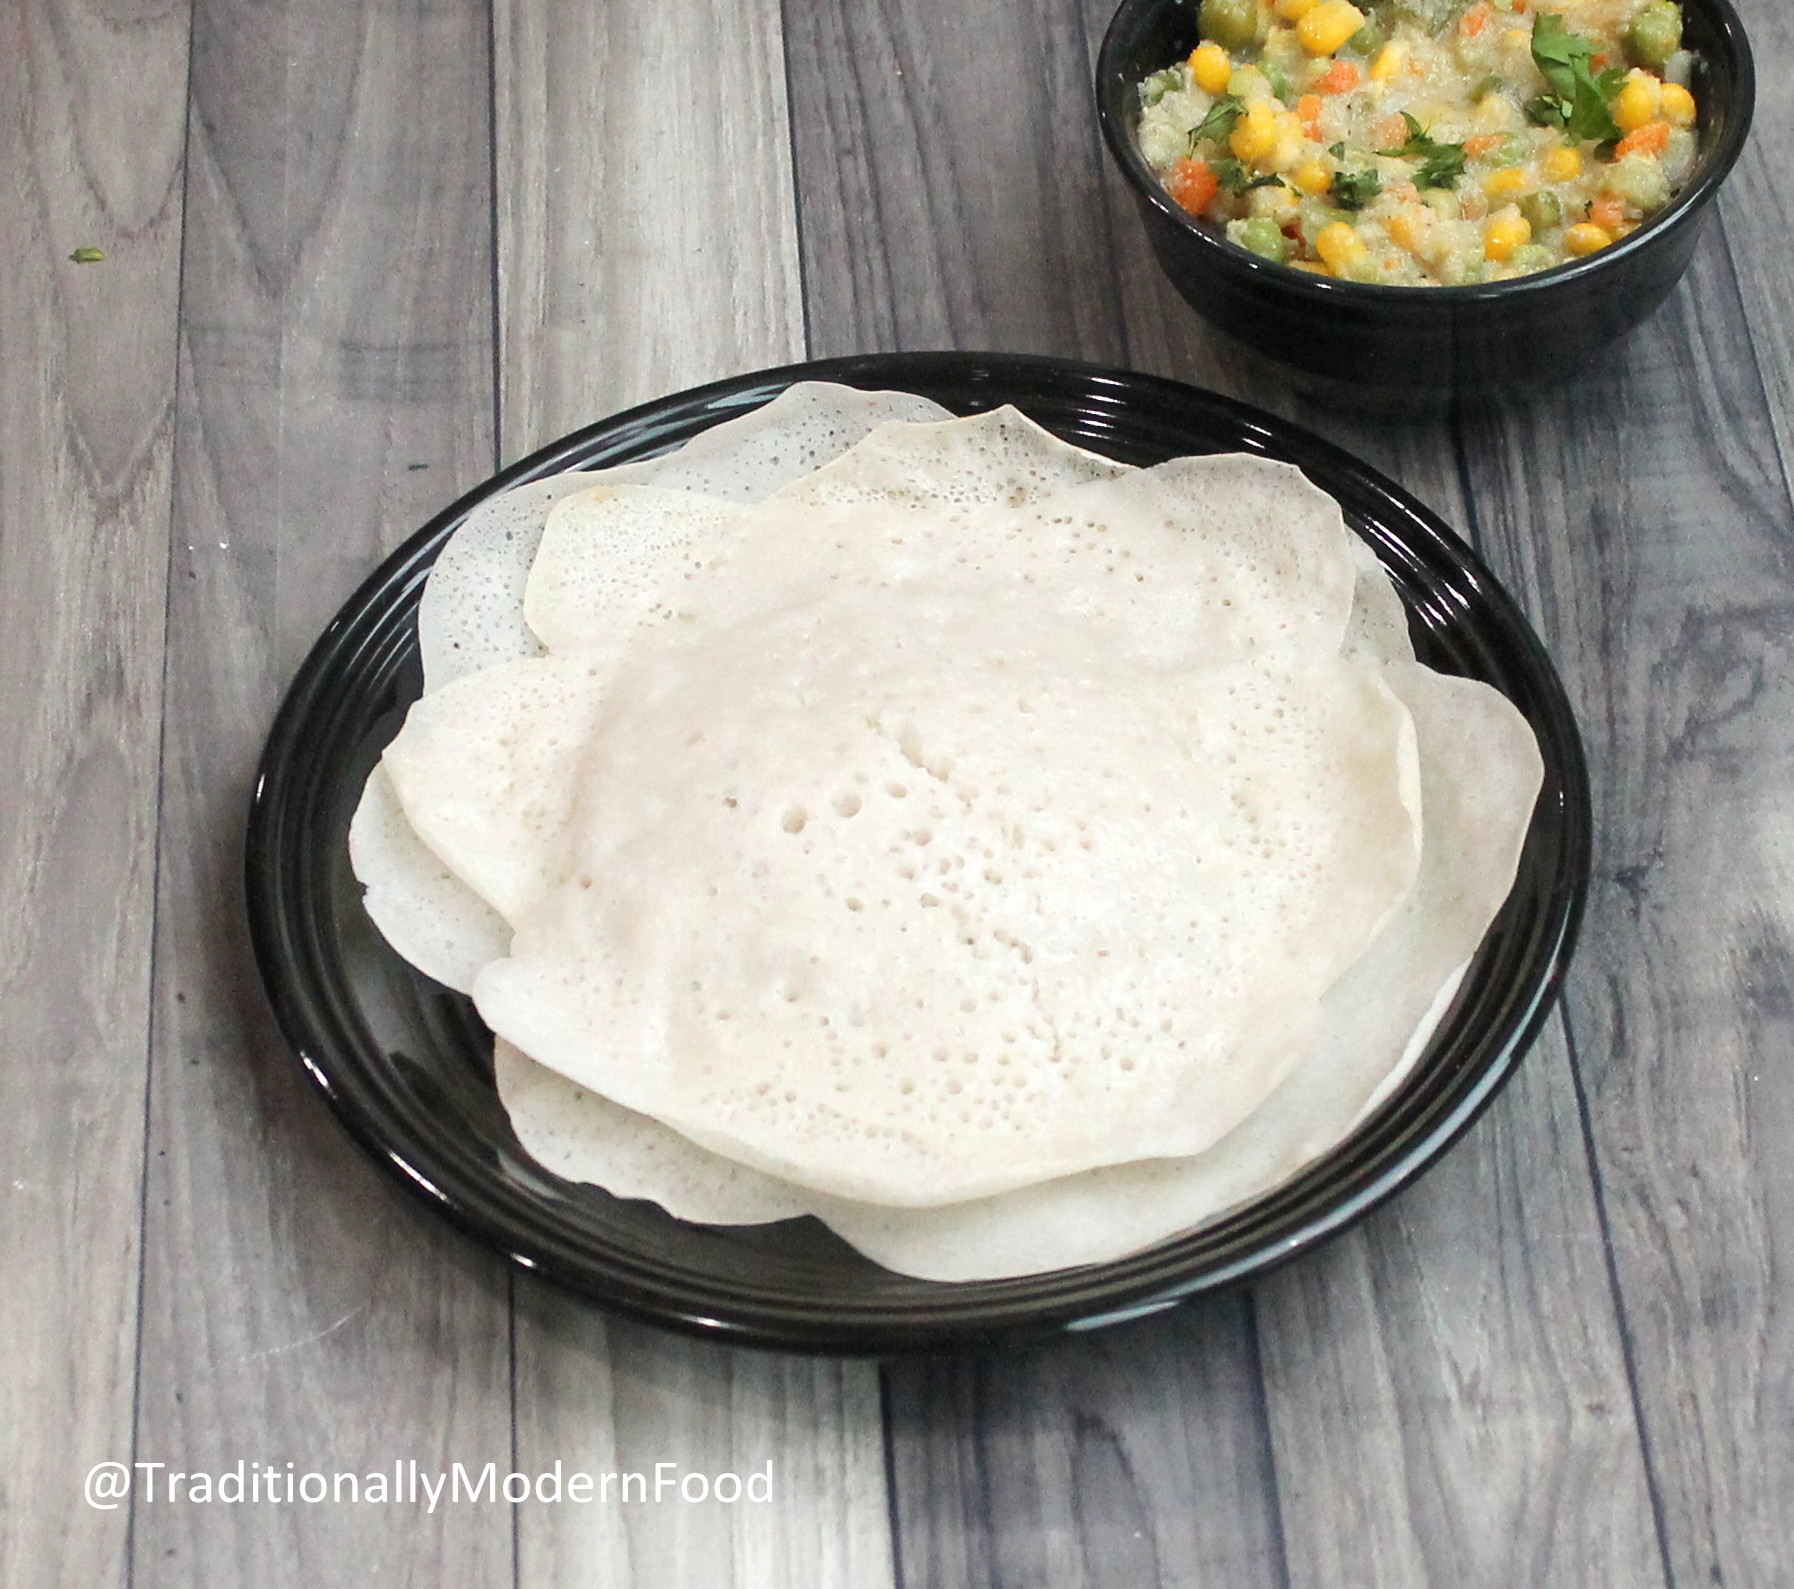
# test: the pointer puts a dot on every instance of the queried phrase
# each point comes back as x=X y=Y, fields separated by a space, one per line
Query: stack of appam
x=1009 y=857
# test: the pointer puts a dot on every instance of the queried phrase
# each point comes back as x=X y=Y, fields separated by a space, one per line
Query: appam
x=1481 y=772
x=471 y=618
x=1230 y=541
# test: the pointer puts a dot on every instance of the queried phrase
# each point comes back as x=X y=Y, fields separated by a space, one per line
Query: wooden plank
x=1757 y=213
x=644 y=249
x=645 y=209
x=1647 y=515
x=1126 y=1459
x=913 y=128
x=1447 y=1384
x=611 y=1397
x=336 y=388
x=90 y=139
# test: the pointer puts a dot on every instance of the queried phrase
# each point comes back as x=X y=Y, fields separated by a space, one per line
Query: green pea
x=1511 y=151
x=1275 y=76
x=1262 y=236
x=1542 y=210
x=1367 y=40
x=1655 y=34
x=1529 y=257
x=1233 y=24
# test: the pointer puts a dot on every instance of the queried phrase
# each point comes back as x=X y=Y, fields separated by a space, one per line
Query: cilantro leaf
x=1219 y=121
x=1442 y=168
x=1441 y=163
x=1352 y=190
x=1578 y=99
x=1234 y=178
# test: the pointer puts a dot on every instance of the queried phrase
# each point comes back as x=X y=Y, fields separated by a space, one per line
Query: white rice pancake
x=1092 y=817
x=1377 y=630
x=581 y=1136
x=482 y=770
x=471 y=613
x=1480 y=775
x=421 y=908
x=618 y=557
x=999 y=457
x=471 y=617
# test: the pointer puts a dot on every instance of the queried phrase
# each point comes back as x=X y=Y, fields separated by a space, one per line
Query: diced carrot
x=1308 y=109
x=1608 y=213
x=1474 y=21
x=1339 y=78
x=1405 y=191
x=1598 y=61
x=1192 y=185
x=1390 y=133
x=1651 y=138
x=1483 y=142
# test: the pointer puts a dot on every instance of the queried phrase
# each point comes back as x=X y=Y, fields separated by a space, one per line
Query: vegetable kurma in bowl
x=1541 y=167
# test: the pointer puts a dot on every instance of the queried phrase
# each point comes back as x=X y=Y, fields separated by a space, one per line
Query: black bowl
x=1415 y=347
x=408 y=1068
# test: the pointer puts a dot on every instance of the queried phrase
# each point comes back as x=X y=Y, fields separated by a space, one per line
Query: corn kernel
x=1294 y=10
x=1324 y=29
x=1636 y=102
x=1313 y=176
x=1495 y=112
x=1255 y=134
x=1292 y=139
x=1339 y=246
x=1563 y=164
x=1677 y=105
x=1389 y=62
x=1404 y=227
x=1212 y=67
x=1503 y=232
x=1585 y=239
x=1508 y=183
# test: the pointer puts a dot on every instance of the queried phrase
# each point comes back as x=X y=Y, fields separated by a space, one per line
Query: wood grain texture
x=1647 y=516
x=1757 y=215
x=1447 y=1384
x=647 y=242
x=647 y=235
x=1125 y=1459
x=90 y=144
x=335 y=390
x=609 y=1397
x=948 y=198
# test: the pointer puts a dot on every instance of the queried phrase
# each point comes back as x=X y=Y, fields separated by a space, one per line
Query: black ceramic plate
x=407 y=1066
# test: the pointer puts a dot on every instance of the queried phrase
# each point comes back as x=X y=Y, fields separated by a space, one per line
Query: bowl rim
x=1710 y=173
x=944 y=1316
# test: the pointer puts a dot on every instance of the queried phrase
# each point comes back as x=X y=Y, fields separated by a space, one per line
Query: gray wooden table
x=356 y=255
